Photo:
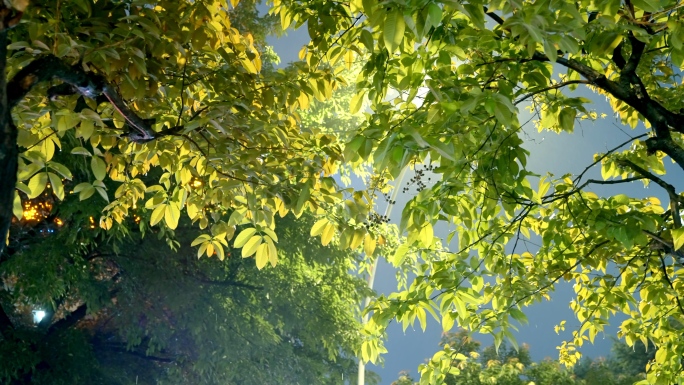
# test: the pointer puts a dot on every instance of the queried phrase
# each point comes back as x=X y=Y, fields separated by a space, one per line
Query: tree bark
x=8 y=150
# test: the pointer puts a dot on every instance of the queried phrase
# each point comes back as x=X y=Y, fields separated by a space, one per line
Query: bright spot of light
x=38 y=316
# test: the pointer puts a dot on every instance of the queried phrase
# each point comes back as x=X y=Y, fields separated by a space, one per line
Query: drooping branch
x=87 y=84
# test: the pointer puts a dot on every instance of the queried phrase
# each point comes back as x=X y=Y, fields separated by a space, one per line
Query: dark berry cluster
x=375 y=219
x=417 y=180
x=388 y=200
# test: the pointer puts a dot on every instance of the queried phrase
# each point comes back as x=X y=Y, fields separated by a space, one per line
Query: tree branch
x=72 y=319
x=549 y=88
x=87 y=84
x=493 y=16
x=6 y=325
x=669 y=281
x=660 y=117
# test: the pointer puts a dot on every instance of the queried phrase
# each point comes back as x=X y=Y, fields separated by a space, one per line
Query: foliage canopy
x=446 y=82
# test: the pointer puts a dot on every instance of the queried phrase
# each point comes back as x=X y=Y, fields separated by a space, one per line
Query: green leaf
x=400 y=254
x=647 y=5
x=37 y=184
x=367 y=40
x=80 y=151
x=678 y=237
x=303 y=198
x=566 y=118
x=393 y=30
x=434 y=17
x=17 y=208
x=56 y=184
x=357 y=102
x=99 y=167
x=61 y=169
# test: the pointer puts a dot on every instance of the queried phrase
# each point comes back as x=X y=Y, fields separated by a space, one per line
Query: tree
x=125 y=308
x=447 y=81
x=505 y=367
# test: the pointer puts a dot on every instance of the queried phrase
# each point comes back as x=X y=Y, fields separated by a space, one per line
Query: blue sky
x=555 y=153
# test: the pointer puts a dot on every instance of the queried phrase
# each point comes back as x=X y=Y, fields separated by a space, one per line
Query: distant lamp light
x=38 y=316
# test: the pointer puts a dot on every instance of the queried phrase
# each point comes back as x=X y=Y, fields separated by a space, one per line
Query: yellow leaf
x=349 y=59
x=261 y=256
x=272 y=252
x=172 y=215
x=243 y=237
x=157 y=214
x=356 y=102
x=219 y=250
x=357 y=238
x=106 y=223
x=427 y=235
x=369 y=245
x=318 y=227
x=678 y=237
x=328 y=234
x=200 y=239
x=251 y=246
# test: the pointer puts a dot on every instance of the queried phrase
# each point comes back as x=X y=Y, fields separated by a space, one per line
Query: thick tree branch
x=68 y=321
x=9 y=151
x=628 y=72
x=6 y=325
x=662 y=120
x=87 y=84
x=72 y=319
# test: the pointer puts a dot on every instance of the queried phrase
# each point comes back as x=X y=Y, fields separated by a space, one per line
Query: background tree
x=486 y=367
x=127 y=310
